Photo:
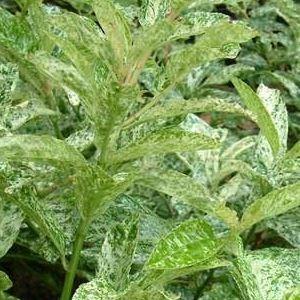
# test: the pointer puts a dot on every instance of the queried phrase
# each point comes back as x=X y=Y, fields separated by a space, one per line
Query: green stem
x=70 y=276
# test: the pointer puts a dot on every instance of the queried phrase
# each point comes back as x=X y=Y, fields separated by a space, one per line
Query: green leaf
x=5 y=282
x=270 y=112
x=11 y=220
x=39 y=148
x=274 y=203
x=181 y=107
x=209 y=47
x=267 y=274
x=178 y=5
x=192 y=242
x=117 y=253
x=293 y=294
x=115 y=27
x=294 y=152
x=181 y=186
x=165 y=141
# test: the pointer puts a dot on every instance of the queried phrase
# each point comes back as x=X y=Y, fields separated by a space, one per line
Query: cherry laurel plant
x=94 y=132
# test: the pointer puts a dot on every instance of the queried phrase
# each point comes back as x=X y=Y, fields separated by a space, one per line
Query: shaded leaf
x=5 y=282
x=10 y=222
x=45 y=223
x=287 y=226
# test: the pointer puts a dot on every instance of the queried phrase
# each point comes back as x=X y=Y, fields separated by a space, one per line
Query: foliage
x=150 y=148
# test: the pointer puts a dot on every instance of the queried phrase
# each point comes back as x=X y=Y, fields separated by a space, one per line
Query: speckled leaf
x=274 y=203
x=95 y=290
x=237 y=148
x=11 y=220
x=180 y=186
x=245 y=170
x=227 y=72
x=190 y=243
x=166 y=141
x=145 y=42
x=81 y=40
x=33 y=209
x=39 y=148
x=93 y=199
x=65 y=75
x=82 y=139
x=153 y=10
x=180 y=107
x=270 y=112
x=115 y=27
x=267 y=274
x=22 y=113
x=196 y=23
x=208 y=48
x=161 y=276
x=9 y=76
x=287 y=226
x=117 y=253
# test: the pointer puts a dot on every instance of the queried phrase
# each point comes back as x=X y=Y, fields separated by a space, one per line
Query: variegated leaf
x=193 y=242
x=272 y=204
x=117 y=253
x=270 y=112
x=165 y=141
x=181 y=107
x=267 y=274
x=40 y=149
x=153 y=10
x=10 y=224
